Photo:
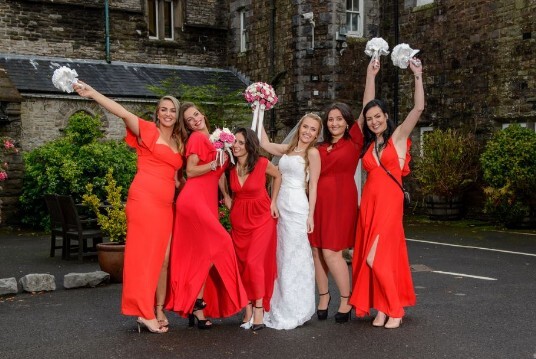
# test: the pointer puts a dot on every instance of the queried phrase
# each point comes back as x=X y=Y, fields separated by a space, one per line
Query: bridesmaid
x=149 y=207
x=381 y=271
x=253 y=220
x=203 y=261
x=293 y=301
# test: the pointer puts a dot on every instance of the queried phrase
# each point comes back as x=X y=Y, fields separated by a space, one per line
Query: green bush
x=449 y=164
x=66 y=165
x=509 y=169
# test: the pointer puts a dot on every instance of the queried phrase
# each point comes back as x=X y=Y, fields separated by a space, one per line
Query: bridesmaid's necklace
x=297 y=150
x=241 y=170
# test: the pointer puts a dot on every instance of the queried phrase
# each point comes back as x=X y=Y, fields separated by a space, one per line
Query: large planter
x=111 y=259
x=444 y=208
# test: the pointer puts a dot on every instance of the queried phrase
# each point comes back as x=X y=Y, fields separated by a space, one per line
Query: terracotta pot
x=111 y=258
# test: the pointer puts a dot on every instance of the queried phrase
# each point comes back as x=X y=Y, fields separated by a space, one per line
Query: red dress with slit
x=202 y=249
x=149 y=211
x=336 y=209
x=254 y=233
x=387 y=286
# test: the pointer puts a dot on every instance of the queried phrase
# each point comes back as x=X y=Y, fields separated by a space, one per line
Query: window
x=160 y=19
x=423 y=2
x=243 y=45
x=354 y=17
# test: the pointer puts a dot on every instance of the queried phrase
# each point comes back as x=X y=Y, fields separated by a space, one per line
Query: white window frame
x=424 y=2
x=243 y=31
x=423 y=131
x=522 y=124
x=359 y=31
x=160 y=21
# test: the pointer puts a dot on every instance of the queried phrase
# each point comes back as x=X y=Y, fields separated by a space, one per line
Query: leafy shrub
x=112 y=219
x=449 y=164
x=509 y=168
x=66 y=165
x=223 y=213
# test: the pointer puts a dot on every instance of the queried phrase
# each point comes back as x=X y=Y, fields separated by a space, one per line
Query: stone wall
x=76 y=29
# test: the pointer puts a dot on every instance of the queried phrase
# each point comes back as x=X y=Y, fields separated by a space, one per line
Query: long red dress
x=387 y=286
x=336 y=209
x=254 y=233
x=149 y=211
x=201 y=249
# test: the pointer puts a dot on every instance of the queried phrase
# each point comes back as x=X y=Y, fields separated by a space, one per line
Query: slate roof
x=33 y=74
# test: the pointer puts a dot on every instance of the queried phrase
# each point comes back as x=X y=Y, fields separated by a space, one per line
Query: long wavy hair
x=176 y=127
x=252 y=148
x=294 y=140
x=369 y=136
x=183 y=131
x=346 y=113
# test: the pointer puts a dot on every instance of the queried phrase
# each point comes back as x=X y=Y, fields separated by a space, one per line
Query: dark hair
x=184 y=130
x=368 y=135
x=252 y=147
x=346 y=113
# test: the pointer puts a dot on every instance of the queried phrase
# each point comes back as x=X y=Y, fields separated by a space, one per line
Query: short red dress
x=149 y=211
x=201 y=249
x=336 y=209
x=254 y=233
x=387 y=286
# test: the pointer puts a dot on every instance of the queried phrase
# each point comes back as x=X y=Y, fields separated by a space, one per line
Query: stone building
x=479 y=56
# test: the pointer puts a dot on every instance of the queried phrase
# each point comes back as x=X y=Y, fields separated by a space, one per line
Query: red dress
x=254 y=233
x=149 y=211
x=387 y=286
x=336 y=209
x=201 y=249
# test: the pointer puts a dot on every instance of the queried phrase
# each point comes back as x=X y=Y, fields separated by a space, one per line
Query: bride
x=293 y=299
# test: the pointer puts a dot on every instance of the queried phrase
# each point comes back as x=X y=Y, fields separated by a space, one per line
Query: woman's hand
x=415 y=65
x=84 y=89
x=228 y=201
x=274 y=210
x=373 y=67
x=310 y=224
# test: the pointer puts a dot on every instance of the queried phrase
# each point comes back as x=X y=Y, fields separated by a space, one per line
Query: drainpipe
x=107 y=30
x=396 y=84
x=272 y=129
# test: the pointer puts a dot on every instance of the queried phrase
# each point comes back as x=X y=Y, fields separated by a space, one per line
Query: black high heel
x=201 y=323
x=322 y=314
x=343 y=317
x=256 y=327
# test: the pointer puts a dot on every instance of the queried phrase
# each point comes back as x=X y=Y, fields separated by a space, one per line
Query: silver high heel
x=143 y=323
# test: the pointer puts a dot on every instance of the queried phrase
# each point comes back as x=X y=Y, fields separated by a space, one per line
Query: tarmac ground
x=475 y=290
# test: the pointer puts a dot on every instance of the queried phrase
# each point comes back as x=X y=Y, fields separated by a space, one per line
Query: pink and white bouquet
x=262 y=97
x=223 y=140
x=64 y=78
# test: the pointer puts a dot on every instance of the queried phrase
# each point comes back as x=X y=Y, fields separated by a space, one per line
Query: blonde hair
x=294 y=141
x=177 y=126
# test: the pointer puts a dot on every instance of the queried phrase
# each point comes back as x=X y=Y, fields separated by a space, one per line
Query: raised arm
x=314 y=174
x=270 y=147
x=404 y=130
x=130 y=119
x=370 y=87
x=273 y=171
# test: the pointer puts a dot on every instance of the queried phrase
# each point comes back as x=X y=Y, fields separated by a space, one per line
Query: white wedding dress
x=293 y=299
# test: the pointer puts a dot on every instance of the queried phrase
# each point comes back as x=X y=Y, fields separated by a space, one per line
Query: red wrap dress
x=336 y=209
x=387 y=286
x=201 y=249
x=254 y=233
x=149 y=211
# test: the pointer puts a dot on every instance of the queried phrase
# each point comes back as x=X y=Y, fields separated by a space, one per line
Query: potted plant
x=112 y=220
x=509 y=169
x=448 y=166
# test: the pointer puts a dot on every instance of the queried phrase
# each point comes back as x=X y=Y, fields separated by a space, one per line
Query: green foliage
x=449 y=164
x=223 y=213
x=66 y=165
x=222 y=107
x=509 y=169
x=113 y=222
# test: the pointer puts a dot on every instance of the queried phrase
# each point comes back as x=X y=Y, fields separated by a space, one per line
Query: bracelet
x=213 y=166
